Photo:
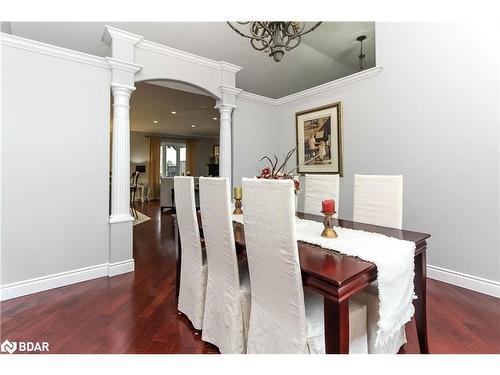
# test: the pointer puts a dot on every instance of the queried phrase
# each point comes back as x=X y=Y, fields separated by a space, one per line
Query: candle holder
x=237 y=207
x=328 y=231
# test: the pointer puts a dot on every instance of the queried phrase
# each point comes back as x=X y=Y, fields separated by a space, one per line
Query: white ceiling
x=155 y=102
x=327 y=53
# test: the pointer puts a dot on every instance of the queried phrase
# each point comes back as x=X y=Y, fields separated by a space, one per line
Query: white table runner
x=393 y=258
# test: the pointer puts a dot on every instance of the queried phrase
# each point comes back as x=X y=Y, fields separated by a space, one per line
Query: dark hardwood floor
x=136 y=312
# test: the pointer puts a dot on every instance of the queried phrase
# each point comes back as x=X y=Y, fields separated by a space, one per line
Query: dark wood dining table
x=337 y=277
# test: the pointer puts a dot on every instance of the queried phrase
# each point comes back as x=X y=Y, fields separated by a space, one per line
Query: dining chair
x=284 y=317
x=133 y=190
x=319 y=187
x=378 y=200
x=193 y=279
x=227 y=303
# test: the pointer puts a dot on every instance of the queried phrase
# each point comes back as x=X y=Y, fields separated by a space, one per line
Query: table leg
x=336 y=326
x=421 y=302
x=178 y=260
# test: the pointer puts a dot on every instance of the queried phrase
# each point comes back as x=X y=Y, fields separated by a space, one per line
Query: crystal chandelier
x=274 y=37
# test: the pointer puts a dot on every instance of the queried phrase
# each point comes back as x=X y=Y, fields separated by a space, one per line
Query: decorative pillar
x=120 y=181
x=123 y=70
x=225 y=169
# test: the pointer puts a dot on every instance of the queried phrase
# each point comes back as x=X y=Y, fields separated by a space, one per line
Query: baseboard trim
x=57 y=280
x=121 y=267
x=475 y=283
x=40 y=284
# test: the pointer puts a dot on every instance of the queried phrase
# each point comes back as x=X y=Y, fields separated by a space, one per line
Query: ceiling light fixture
x=193 y=126
x=361 y=55
x=155 y=121
x=215 y=118
x=274 y=37
x=173 y=112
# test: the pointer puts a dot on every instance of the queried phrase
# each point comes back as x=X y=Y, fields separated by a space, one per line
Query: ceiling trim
x=111 y=33
x=350 y=79
x=186 y=56
x=257 y=98
x=51 y=50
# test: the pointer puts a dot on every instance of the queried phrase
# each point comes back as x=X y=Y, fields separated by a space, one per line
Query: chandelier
x=274 y=37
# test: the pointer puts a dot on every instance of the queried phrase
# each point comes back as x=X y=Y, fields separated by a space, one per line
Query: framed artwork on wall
x=319 y=139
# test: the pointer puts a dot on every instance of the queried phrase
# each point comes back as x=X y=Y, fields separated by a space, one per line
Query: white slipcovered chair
x=378 y=200
x=227 y=303
x=284 y=317
x=193 y=281
x=319 y=187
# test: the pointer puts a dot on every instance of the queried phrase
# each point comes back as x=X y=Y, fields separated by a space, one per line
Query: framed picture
x=319 y=139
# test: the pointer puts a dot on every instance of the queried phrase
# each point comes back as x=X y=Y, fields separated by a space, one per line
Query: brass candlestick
x=237 y=205
x=238 y=195
x=328 y=231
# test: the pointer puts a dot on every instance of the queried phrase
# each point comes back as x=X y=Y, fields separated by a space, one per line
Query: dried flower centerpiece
x=280 y=173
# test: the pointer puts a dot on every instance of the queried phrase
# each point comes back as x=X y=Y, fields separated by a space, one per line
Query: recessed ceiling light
x=215 y=118
x=193 y=126
x=155 y=121
x=173 y=112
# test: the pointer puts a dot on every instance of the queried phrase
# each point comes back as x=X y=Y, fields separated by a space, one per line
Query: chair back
x=134 y=179
x=277 y=315
x=378 y=200
x=192 y=285
x=319 y=187
x=223 y=315
x=166 y=186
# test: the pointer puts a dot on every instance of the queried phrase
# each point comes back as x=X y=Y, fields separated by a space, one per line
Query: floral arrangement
x=279 y=173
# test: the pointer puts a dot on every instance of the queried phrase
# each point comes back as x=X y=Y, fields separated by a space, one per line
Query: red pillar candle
x=328 y=205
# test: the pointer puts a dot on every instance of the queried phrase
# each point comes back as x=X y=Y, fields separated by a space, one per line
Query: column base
x=121 y=256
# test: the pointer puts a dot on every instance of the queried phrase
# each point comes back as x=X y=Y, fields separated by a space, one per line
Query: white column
x=120 y=179
x=225 y=140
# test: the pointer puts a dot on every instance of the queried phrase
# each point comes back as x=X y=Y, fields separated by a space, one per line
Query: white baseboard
x=477 y=284
x=121 y=267
x=58 y=280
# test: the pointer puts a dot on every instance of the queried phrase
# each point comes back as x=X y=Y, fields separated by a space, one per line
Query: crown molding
x=53 y=51
x=124 y=66
x=257 y=98
x=186 y=56
x=353 y=78
x=230 y=67
x=111 y=33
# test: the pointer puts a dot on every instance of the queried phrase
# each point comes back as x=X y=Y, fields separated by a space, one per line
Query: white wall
x=55 y=156
x=204 y=149
x=431 y=115
x=254 y=135
x=139 y=153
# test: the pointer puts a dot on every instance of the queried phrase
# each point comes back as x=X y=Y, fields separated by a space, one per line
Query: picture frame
x=319 y=140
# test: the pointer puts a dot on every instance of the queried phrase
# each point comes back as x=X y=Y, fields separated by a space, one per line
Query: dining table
x=337 y=277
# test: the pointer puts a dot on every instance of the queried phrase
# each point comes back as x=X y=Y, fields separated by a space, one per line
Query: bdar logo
x=9 y=347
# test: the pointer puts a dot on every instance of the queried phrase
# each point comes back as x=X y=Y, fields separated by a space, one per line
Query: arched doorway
x=135 y=59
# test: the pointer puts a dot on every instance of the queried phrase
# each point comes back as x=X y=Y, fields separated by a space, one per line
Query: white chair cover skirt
x=319 y=187
x=378 y=200
x=193 y=280
x=282 y=319
x=227 y=305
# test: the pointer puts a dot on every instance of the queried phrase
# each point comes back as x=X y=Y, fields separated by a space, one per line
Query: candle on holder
x=328 y=205
x=238 y=193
